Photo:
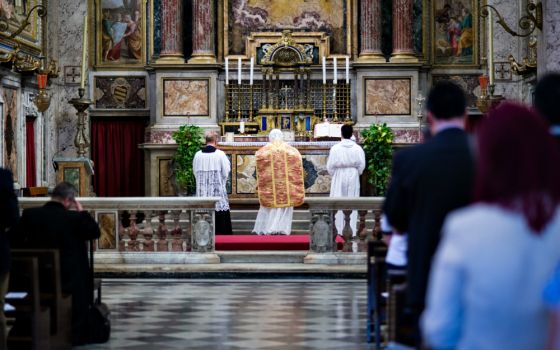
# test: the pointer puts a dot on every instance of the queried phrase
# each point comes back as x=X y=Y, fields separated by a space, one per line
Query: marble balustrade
x=151 y=224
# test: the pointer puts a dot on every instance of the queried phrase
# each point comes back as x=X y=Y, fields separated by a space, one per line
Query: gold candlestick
x=239 y=103
x=84 y=53
x=81 y=140
x=227 y=93
x=335 y=112
x=251 y=103
x=324 y=102
x=347 y=119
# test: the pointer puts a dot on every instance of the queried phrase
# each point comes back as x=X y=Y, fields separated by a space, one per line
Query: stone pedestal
x=403 y=51
x=171 y=32
x=77 y=171
x=203 y=32
x=370 y=28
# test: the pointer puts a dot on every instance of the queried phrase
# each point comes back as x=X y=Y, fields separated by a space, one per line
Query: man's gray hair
x=210 y=136
x=275 y=134
x=64 y=190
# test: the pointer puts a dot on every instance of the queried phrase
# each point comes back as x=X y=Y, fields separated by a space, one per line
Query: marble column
x=403 y=51
x=370 y=28
x=171 y=32
x=203 y=32
x=549 y=39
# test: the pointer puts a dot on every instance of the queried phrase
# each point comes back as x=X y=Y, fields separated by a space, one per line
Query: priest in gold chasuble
x=280 y=185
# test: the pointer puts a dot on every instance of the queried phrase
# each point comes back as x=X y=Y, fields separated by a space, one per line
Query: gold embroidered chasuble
x=280 y=176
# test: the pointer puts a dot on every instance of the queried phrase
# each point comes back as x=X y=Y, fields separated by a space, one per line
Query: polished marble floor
x=236 y=314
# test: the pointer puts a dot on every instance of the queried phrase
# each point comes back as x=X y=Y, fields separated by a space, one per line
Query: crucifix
x=72 y=75
x=285 y=90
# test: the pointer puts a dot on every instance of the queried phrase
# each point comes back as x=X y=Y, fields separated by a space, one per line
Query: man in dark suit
x=62 y=224
x=428 y=181
x=9 y=214
x=547 y=97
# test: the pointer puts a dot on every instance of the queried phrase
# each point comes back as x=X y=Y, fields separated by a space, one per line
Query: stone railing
x=150 y=225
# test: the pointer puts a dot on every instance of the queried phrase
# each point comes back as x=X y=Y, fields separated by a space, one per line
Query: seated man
x=62 y=224
x=280 y=185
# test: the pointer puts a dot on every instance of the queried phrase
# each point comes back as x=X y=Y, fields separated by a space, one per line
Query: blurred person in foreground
x=9 y=214
x=497 y=254
x=427 y=182
x=547 y=97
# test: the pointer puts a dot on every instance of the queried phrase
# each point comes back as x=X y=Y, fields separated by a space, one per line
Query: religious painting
x=246 y=174
x=316 y=177
x=14 y=13
x=242 y=17
x=469 y=83
x=118 y=92
x=72 y=176
x=108 y=227
x=166 y=176
x=120 y=33
x=10 y=130
x=454 y=32
x=186 y=97
x=387 y=96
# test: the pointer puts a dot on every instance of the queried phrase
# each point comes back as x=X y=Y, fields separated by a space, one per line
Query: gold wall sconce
x=529 y=22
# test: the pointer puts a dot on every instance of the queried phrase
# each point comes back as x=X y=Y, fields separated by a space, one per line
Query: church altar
x=242 y=181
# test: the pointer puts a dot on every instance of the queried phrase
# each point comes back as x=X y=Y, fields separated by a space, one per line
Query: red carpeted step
x=255 y=242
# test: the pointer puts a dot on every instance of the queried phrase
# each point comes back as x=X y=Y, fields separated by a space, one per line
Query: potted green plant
x=378 y=147
x=189 y=139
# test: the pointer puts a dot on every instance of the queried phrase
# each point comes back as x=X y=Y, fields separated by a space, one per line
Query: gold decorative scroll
x=317 y=39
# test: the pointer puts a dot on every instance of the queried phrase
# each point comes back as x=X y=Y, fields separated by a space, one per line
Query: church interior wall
x=176 y=94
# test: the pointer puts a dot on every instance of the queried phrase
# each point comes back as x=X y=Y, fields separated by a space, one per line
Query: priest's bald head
x=275 y=134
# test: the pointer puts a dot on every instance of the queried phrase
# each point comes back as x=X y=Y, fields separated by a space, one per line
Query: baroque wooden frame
x=95 y=37
x=475 y=6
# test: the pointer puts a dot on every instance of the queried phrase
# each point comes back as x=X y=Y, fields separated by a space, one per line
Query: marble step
x=262 y=257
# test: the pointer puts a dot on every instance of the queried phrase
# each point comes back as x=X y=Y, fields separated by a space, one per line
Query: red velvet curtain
x=118 y=162
x=30 y=162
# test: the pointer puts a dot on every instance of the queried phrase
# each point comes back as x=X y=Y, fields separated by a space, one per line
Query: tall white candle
x=324 y=70
x=227 y=70
x=335 y=72
x=84 y=54
x=239 y=71
x=490 y=53
x=251 y=71
x=347 y=69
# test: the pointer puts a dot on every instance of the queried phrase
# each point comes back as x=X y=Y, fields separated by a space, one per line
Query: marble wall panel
x=387 y=96
x=551 y=36
x=246 y=174
x=186 y=97
x=166 y=185
x=119 y=92
x=317 y=179
x=108 y=226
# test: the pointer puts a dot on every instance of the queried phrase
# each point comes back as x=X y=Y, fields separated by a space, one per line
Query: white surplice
x=211 y=171
x=345 y=165
x=274 y=221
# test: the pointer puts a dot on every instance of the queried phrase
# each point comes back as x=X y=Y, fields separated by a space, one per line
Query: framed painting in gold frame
x=14 y=13
x=334 y=17
x=455 y=29
x=120 y=33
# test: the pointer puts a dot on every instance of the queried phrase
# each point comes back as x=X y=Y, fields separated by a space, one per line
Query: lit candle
x=239 y=71
x=347 y=69
x=490 y=53
x=324 y=70
x=242 y=127
x=227 y=70
x=335 y=78
x=84 y=53
x=251 y=71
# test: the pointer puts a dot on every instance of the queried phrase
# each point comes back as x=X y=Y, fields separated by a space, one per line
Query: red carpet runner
x=255 y=242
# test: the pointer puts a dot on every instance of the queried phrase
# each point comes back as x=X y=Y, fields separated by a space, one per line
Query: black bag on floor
x=99 y=323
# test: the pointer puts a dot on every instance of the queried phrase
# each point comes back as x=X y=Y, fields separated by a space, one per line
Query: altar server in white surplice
x=211 y=169
x=345 y=165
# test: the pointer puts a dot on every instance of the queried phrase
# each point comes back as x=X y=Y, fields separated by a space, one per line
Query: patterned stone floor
x=234 y=314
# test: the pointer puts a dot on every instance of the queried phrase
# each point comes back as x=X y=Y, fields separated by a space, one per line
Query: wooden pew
x=377 y=251
x=51 y=295
x=401 y=323
x=32 y=320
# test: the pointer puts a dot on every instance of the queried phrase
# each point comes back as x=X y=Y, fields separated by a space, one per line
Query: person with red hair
x=496 y=254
